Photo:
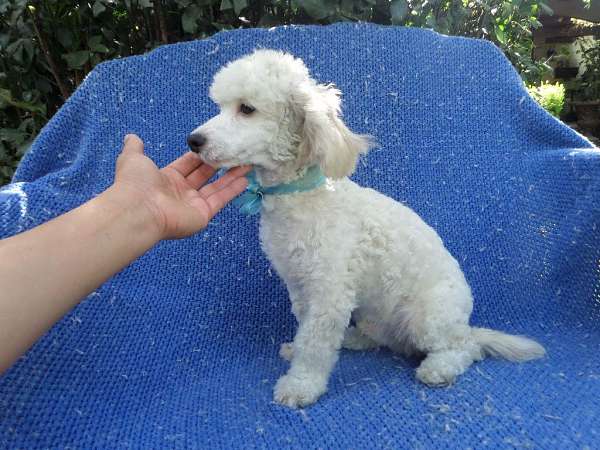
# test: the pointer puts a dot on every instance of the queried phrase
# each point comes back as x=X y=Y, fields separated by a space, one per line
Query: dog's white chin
x=225 y=164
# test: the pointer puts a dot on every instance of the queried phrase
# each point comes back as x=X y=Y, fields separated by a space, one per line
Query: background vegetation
x=48 y=46
x=550 y=96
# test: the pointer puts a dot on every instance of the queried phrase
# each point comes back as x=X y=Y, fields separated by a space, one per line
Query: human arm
x=46 y=271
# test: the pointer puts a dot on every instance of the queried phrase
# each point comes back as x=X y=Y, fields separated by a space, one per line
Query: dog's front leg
x=315 y=350
x=299 y=307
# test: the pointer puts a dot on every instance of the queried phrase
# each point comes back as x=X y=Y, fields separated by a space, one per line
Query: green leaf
x=95 y=44
x=6 y=99
x=222 y=26
x=4 y=40
x=318 y=9
x=94 y=40
x=108 y=33
x=398 y=10
x=500 y=35
x=5 y=95
x=100 y=48
x=16 y=50
x=65 y=37
x=16 y=137
x=226 y=5
x=76 y=60
x=29 y=50
x=546 y=9
x=238 y=5
x=43 y=85
x=347 y=7
x=22 y=149
x=98 y=8
x=431 y=22
x=16 y=16
x=268 y=20
x=189 y=19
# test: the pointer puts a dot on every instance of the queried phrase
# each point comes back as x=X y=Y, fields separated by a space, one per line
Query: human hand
x=179 y=201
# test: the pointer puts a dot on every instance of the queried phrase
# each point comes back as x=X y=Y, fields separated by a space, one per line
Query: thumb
x=132 y=144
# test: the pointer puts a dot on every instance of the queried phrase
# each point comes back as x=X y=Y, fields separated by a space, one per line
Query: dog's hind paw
x=434 y=378
x=441 y=368
x=298 y=392
x=355 y=340
x=286 y=351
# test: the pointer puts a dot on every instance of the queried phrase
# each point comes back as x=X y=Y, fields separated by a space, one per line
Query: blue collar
x=250 y=201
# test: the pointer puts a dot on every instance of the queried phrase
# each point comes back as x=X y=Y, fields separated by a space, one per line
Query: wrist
x=135 y=211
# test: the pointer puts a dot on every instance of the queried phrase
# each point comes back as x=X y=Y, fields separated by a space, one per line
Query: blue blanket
x=180 y=349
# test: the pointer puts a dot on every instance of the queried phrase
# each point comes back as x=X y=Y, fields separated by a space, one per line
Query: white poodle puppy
x=347 y=254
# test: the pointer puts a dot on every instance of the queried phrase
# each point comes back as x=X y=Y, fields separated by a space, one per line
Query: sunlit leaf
x=500 y=35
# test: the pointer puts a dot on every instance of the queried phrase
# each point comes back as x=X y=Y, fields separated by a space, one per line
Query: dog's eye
x=245 y=109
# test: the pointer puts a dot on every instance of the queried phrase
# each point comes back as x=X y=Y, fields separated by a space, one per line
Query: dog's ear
x=325 y=139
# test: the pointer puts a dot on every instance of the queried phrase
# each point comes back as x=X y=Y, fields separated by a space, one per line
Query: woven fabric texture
x=180 y=349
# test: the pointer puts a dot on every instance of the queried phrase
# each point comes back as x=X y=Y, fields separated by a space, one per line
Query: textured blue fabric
x=180 y=349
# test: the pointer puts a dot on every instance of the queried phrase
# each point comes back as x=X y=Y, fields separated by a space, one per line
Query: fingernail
x=127 y=137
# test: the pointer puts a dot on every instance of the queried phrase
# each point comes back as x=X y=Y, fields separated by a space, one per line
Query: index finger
x=186 y=164
x=219 y=199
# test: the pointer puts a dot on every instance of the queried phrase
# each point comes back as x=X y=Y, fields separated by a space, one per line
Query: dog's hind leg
x=438 y=326
x=354 y=339
x=440 y=368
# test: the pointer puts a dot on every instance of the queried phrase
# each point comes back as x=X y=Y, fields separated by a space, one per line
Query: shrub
x=47 y=47
x=588 y=86
x=550 y=96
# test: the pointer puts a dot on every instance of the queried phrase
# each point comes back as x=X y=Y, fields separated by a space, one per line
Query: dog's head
x=276 y=117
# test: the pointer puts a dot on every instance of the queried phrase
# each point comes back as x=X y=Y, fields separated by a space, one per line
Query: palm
x=178 y=194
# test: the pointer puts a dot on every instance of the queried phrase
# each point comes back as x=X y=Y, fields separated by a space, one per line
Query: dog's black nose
x=196 y=141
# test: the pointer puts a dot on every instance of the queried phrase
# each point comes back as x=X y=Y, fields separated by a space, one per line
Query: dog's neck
x=268 y=177
x=251 y=201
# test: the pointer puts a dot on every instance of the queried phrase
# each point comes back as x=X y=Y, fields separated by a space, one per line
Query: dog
x=361 y=269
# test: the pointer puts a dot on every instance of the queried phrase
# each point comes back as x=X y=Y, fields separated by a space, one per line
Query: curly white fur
x=345 y=252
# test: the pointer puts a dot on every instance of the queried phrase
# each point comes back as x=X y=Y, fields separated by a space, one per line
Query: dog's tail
x=502 y=345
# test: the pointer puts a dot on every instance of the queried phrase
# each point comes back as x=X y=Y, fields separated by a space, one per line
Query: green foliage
x=48 y=46
x=587 y=87
x=550 y=96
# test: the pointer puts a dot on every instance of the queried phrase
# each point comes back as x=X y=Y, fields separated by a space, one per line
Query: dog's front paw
x=286 y=351
x=298 y=392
